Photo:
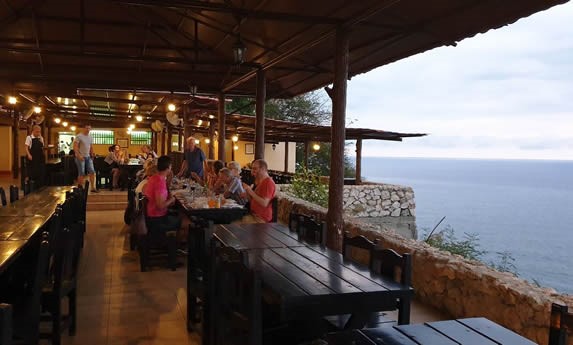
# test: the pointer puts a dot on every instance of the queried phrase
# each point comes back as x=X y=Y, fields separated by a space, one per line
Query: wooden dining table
x=219 y=215
x=311 y=281
x=23 y=219
x=470 y=331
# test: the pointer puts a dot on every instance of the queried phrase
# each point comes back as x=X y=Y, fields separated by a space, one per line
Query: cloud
x=508 y=88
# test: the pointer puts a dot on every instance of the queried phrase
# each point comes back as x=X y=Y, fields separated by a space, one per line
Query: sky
x=505 y=94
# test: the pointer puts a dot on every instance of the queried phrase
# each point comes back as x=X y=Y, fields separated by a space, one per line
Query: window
x=140 y=138
x=101 y=137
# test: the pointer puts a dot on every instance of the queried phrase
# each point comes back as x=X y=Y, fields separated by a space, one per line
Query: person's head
x=217 y=166
x=86 y=128
x=36 y=131
x=116 y=148
x=225 y=174
x=145 y=148
x=259 y=168
x=191 y=143
x=163 y=164
x=209 y=165
x=235 y=168
x=111 y=148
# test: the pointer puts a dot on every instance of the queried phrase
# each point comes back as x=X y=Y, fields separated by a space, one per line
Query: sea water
x=523 y=207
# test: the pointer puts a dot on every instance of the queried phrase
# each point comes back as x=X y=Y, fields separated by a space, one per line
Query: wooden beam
x=222 y=133
x=260 y=115
x=359 y=161
x=334 y=216
x=169 y=138
x=15 y=144
x=211 y=139
x=306 y=153
x=286 y=156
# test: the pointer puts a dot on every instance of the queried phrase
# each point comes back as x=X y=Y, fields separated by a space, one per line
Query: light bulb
x=12 y=100
x=316 y=147
x=65 y=124
x=236 y=147
x=73 y=128
x=37 y=110
x=199 y=123
x=131 y=126
x=171 y=107
x=57 y=120
x=197 y=141
x=235 y=138
x=211 y=116
x=207 y=141
x=139 y=118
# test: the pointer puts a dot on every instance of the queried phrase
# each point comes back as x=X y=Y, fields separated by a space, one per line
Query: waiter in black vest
x=36 y=158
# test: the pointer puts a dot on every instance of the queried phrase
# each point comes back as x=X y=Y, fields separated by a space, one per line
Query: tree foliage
x=306 y=185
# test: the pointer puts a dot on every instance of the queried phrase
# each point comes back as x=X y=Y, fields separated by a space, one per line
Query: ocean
x=523 y=207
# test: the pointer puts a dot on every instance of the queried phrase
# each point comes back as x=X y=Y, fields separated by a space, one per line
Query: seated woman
x=150 y=170
x=146 y=154
x=159 y=199
x=232 y=187
x=212 y=169
x=113 y=159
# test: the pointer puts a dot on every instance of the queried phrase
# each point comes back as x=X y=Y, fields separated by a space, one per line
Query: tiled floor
x=118 y=304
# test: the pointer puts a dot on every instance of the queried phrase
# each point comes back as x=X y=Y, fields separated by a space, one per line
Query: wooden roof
x=281 y=131
x=59 y=46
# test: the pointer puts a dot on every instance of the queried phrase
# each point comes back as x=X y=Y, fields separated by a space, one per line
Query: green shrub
x=446 y=240
x=306 y=185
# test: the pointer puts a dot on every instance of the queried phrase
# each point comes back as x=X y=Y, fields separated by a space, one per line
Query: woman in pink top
x=264 y=192
x=159 y=199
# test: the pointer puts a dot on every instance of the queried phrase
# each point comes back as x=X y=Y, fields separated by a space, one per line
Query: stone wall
x=379 y=200
x=459 y=287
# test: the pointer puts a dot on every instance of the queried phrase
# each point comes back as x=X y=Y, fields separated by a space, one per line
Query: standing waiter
x=36 y=158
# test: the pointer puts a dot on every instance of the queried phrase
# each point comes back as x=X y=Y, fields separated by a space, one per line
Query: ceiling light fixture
x=65 y=124
x=171 y=107
x=37 y=109
x=12 y=100
x=236 y=147
x=73 y=128
x=207 y=141
x=316 y=147
x=57 y=120
x=235 y=138
x=139 y=118
x=239 y=51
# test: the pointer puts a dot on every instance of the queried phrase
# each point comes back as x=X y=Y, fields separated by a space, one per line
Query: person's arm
x=261 y=200
x=161 y=202
x=183 y=169
x=28 y=144
x=77 y=150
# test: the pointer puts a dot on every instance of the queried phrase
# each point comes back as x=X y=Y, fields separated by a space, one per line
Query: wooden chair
x=360 y=242
x=26 y=299
x=155 y=243
x=63 y=273
x=102 y=172
x=14 y=193
x=275 y=207
x=293 y=221
x=5 y=324
x=235 y=303
x=311 y=231
x=561 y=324
x=388 y=263
x=198 y=242
x=3 y=197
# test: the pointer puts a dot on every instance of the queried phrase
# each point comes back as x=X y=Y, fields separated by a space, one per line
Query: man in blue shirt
x=193 y=159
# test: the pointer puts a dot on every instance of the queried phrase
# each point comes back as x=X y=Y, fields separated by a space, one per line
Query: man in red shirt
x=159 y=199
x=264 y=192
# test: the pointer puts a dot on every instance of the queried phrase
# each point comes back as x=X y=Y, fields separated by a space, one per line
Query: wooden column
x=260 y=115
x=211 y=140
x=306 y=153
x=49 y=135
x=334 y=217
x=286 y=156
x=169 y=138
x=222 y=134
x=180 y=142
x=154 y=141
x=358 y=161
x=15 y=144
x=186 y=127
x=162 y=138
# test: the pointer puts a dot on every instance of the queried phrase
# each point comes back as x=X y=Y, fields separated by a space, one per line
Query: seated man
x=264 y=192
x=159 y=199
x=232 y=186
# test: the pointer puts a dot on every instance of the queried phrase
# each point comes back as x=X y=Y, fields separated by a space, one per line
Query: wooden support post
x=180 y=142
x=260 y=115
x=169 y=138
x=15 y=144
x=306 y=153
x=186 y=127
x=286 y=156
x=222 y=134
x=358 y=161
x=334 y=216
x=154 y=141
x=162 y=138
x=211 y=140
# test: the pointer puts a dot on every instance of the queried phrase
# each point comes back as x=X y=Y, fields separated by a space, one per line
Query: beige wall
x=6 y=155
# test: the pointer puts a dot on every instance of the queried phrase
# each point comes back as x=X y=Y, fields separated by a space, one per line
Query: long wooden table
x=222 y=215
x=21 y=220
x=471 y=331
x=313 y=281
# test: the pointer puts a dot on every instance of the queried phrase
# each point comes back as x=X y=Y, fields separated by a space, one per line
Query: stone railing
x=452 y=284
